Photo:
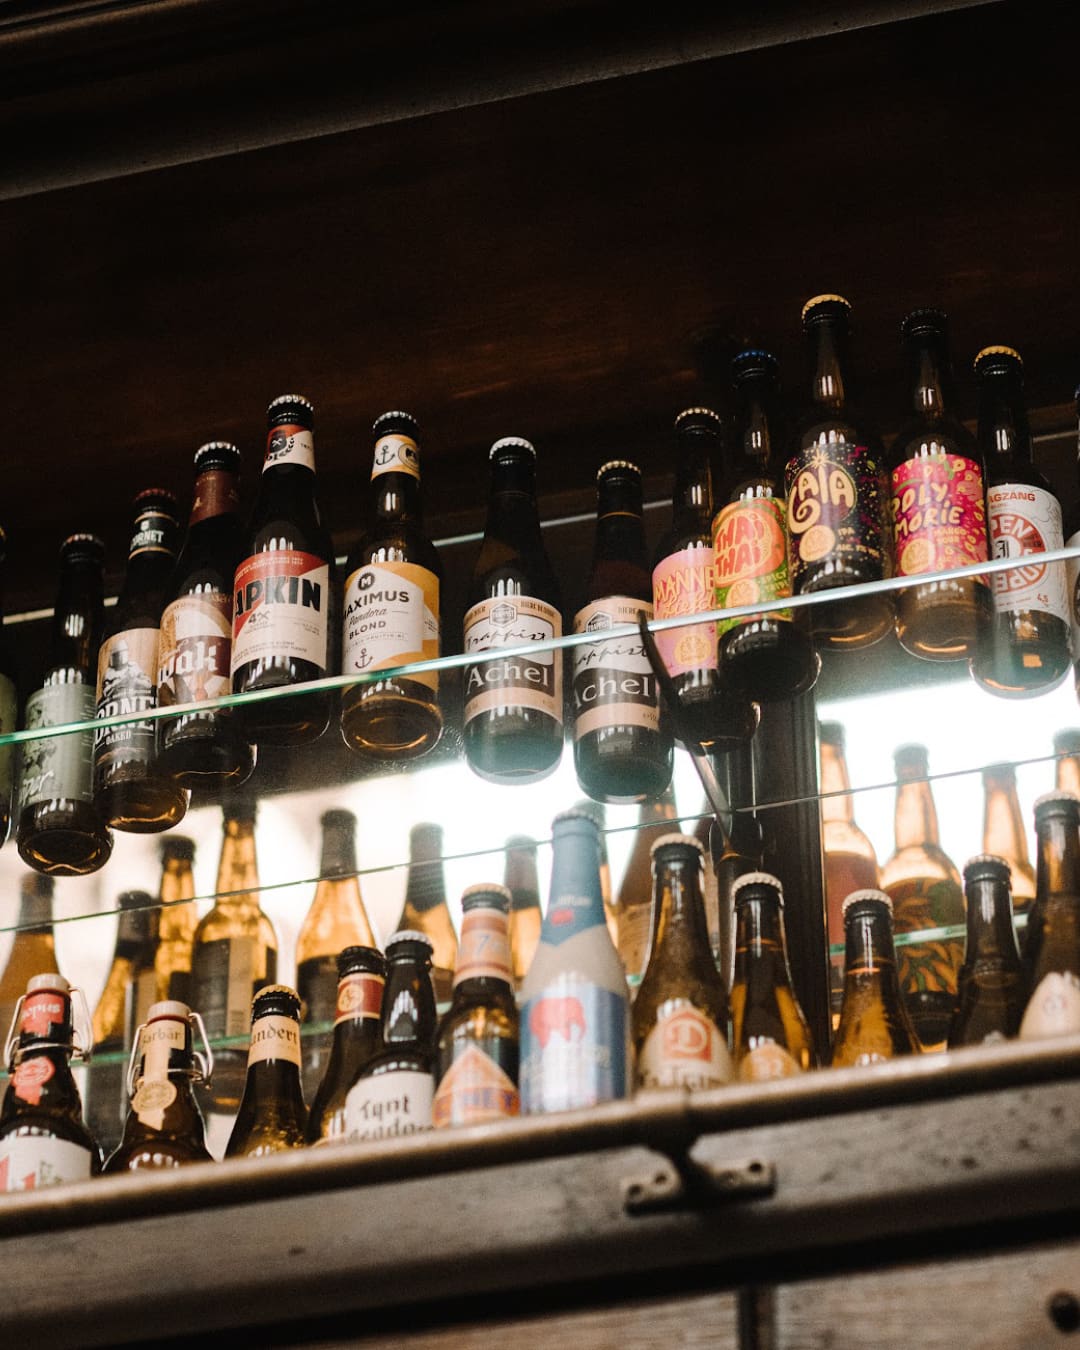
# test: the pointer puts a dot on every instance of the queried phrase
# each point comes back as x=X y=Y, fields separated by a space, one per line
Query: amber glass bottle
x=526 y=917
x=1067 y=763
x=179 y=919
x=272 y=1114
x=1003 y=832
x=874 y=1024
x=425 y=910
x=991 y=982
x=391 y=613
x=361 y=980
x=633 y=907
x=1052 y=941
x=33 y=948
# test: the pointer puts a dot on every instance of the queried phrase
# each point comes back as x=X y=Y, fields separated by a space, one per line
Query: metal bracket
x=685 y=1183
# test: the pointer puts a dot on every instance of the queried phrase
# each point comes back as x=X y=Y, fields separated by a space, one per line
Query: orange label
x=684 y=1049
x=474 y=1089
x=750 y=543
x=484 y=949
x=31 y=1076
x=765 y=1061
x=359 y=995
x=391 y=618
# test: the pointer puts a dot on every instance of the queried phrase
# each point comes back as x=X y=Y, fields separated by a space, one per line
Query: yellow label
x=766 y=1061
x=391 y=619
x=395 y=453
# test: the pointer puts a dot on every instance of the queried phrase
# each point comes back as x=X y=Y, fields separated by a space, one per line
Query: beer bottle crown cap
x=294 y=400
x=169 y=1007
x=752 y=359
x=217 y=454
x=998 y=771
x=616 y=466
x=997 y=355
x=910 y=756
x=987 y=864
x=52 y=980
x=818 y=301
x=926 y=320
x=486 y=895
x=158 y=499
x=395 y=420
x=354 y=959
x=179 y=847
x=676 y=840
x=404 y=935
x=756 y=879
x=83 y=546
x=1067 y=742
x=512 y=443
x=870 y=893
x=287 y=999
x=1061 y=801
x=337 y=818
x=832 y=733
x=135 y=899
x=699 y=415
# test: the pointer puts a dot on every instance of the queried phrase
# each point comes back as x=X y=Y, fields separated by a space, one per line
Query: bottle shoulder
x=394 y=541
x=923 y=437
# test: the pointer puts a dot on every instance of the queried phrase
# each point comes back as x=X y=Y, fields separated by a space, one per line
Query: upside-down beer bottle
x=179 y=919
x=991 y=980
x=1067 y=760
x=425 y=909
x=633 y=906
x=874 y=1024
x=520 y=880
x=1003 y=832
x=272 y=1114
x=356 y=1040
x=33 y=948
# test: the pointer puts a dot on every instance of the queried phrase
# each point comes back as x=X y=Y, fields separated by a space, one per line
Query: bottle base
x=386 y=721
x=517 y=751
x=941 y=620
x=296 y=720
x=1021 y=655
x=848 y=624
x=59 y=851
x=202 y=753
x=768 y=666
x=143 y=807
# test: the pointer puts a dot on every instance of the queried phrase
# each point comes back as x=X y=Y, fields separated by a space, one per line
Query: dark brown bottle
x=272 y=1114
x=1023 y=647
x=837 y=492
x=132 y=791
x=59 y=829
x=769 y=1034
x=204 y=751
x=874 y=1024
x=513 y=706
x=43 y=1140
x=683 y=584
x=938 y=504
x=680 y=1013
x=425 y=909
x=356 y=1039
x=765 y=656
x=9 y=707
x=391 y=614
x=283 y=589
x=622 y=744
x=521 y=881
x=1052 y=940
x=991 y=981
x=477 y=1043
x=164 y=1127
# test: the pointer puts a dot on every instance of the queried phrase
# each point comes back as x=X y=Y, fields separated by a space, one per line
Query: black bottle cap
x=217 y=455
x=240 y=804
x=987 y=867
x=998 y=359
x=135 y=900
x=177 y=847
x=337 y=819
x=618 y=468
x=426 y=839
x=512 y=447
x=291 y=408
x=754 y=361
x=832 y=733
x=396 y=420
x=276 y=1000
x=911 y=757
x=1065 y=804
x=159 y=500
x=360 y=960
x=83 y=546
x=486 y=895
x=920 y=321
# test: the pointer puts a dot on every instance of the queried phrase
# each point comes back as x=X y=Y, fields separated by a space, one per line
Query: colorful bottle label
x=289 y=444
x=527 y=681
x=920 y=903
x=484 y=948
x=938 y=514
x=765 y=1060
x=281 y=609
x=44 y=1013
x=750 y=545
x=474 y=1089
x=836 y=509
x=126 y=683
x=195 y=649
x=29 y=1162
x=390 y=1105
x=224 y=983
x=573 y=1046
x=395 y=453
x=274 y=1037
x=1054 y=1007
x=30 y=1076
x=613 y=683
x=391 y=619
x=59 y=768
x=359 y=996
x=684 y=583
x=685 y=1048
x=1024 y=520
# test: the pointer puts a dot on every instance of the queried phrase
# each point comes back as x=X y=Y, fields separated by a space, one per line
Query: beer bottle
x=525 y=914
x=206 y=749
x=874 y=1023
x=1023 y=648
x=513 y=707
x=765 y=656
x=477 y=1040
x=392 y=616
x=233 y=956
x=633 y=908
x=59 y=829
x=1052 y=943
x=361 y=979
x=769 y=1034
x=1003 y=832
x=337 y=919
x=164 y=1127
x=680 y=1012
x=850 y=860
x=837 y=492
x=622 y=747
x=179 y=920
x=938 y=504
x=575 y=1020
x=1067 y=756
x=9 y=706
x=1071 y=532
x=130 y=989
x=272 y=1114
x=132 y=791
x=924 y=888
x=43 y=1140
x=393 y=1095
x=33 y=948
x=684 y=584
x=282 y=624
x=598 y=815
x=991 y=982
x=425 y=910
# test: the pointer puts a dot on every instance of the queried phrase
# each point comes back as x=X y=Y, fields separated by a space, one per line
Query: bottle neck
x=692 y=499
x=679 y=907
x=916 y=818
x=238 y=871
x=77 y=619
x=1003 y=825
x=483 y=965
x=338 y=857
x=408 y=1015
x=760 y=940
x=151 y=559
x=1003 y=421
x=576 y=902
x=753 y=457
x=620 y=527
x=990 y=931
x=397 y=497
x=928 y=375
x=828 y=355
x=177 y=881
x=834 y=780
x=35 y=908
x=425 y=886
x=1058 y=865
x=868 y=945
x=217 y=496
x=521 y=879
x=512 y=509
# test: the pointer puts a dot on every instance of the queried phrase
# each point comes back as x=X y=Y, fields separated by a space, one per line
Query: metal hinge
x=687 y=1183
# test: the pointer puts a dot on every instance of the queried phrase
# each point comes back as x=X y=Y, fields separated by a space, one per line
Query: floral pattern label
x=836 y=508
x=1023 y=520
x=684 y=584
x=938 y=514
x=750 y=544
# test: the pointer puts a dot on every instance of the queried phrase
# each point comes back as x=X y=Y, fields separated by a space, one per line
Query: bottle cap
x=818 y=301
x=614 y=465
x=169 y=1007
x=1064 y=803
x=928 y=320
x=911 y=757
x=292 y=401
x=521 y=841
x=869 y=894
x=240 y=805
x=217 y=455
x=676 y=840
x=987 y=865
x=396 y=420
x=752 y=359
x=1067 y=741
x=276 y=998
x=51 y=980
x=993 y=356
x=831 y=733
x=135 y=900
x=512 y=443
x=407 y=935
x=578 y=812
x=160 y=500
x=83 y=546
x=761 y=879
x=177 y=847
x=486 y=895
x=702 y=417
x=337 y=818
x=426 y=840
x=355 y=959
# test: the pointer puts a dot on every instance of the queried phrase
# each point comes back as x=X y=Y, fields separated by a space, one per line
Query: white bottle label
x=1054 y=1007
x=390 y=1105
x=684 y=1049
x=765 y=1061
x=30 y=1161
x=289 y=444
x=533 y=681
x=1023 y=520
x=395 y=453
x=613 y=682
x=281 y=608
x=274 y=1037
x=391 y=618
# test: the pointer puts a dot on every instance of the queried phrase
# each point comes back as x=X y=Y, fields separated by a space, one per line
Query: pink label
x=684 y=583
x=939 y=514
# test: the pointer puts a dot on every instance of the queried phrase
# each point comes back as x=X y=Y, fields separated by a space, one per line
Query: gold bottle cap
x=515 y=442
x=616 y=464
x=869 y=894
x=756 y=879
x=290 y=398
x=686 y=840
x=708 y=413
x=827 y=299
x=998 y=351
x=171 y=1007
x=1059 y=798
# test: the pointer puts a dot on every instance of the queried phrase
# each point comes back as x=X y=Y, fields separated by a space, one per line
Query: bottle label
x=274 y=1037
x=519 y=681
x=195 y=648
x=289 y=444
x=750 y=544
x=836 y=508
x=359 y=996
x=475 y=1088
x=59 y=768
x=684 y=583
x=635 y=934
x=938 y=514
x=1024 y=520
x=484 y=949
x=919 y=904
x=8 y=716
x=684 y=1049
x=1072 y=591
x=224 y=984
x=155 y=1091
x=1054 y=1007
x=613 y=682
x=217 y=493
x=395 y=453
x=154 y=531
x=389 y=1105
x=127 y=667
x=574 y=1047
x=391 y=618
x=45 y=1013
x=280 y=603
x=30 y=1076
x=30 y=1161
x=764 y=1061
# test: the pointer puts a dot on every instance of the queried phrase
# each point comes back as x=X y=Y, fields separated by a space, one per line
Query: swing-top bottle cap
x=1060 y=799
x=512 y=443
x=678 y=841
x=613 y=465
x=987 y=355
x=51 y=980
x=756 y=879
x=828 y=298
x=486 y=895
x=170 y=1007
x=987 y=864
x=698 y=415
x=869 y=893
x=396 y=418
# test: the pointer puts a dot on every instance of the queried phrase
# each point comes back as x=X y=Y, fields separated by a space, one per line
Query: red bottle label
x=939 y=514
x=359 y=995
x=31 y=1076
x=280 y=608
x=43 y=1012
